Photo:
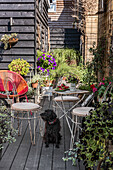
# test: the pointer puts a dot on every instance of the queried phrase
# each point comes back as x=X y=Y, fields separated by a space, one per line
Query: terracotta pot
x=12 y=41
x=34 y=85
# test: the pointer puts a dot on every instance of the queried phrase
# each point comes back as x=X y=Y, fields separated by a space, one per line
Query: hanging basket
x=12 y=41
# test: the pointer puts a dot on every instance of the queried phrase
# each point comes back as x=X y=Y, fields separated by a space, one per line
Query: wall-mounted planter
x=8 y=40
x=12 y=41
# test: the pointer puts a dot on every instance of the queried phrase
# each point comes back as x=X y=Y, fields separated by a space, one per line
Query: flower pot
x=12 y=41
x=72 y=87
x=34 y=85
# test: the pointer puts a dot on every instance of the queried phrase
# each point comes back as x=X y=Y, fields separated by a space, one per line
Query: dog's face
x=48 y=115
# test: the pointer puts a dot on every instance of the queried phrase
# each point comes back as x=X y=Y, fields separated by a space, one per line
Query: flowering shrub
x=45 y=62
x=101 y=87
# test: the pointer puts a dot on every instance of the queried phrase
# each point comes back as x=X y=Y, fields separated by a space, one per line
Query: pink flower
x=101 y=83
x=94 y=89
x=109 y=82
x=103 y=78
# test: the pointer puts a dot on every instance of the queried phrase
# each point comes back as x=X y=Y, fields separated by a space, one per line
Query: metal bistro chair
x=83 y=111
x=77 y=113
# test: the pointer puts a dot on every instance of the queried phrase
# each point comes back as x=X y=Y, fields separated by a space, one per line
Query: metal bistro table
x=26 y=111
x=66 y=96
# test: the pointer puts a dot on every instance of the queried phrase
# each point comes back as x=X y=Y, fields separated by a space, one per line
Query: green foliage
x=101 y=57
x=97 y=131
x=19 y=66
x=36 y=77
x=7 y=134
x=67 y=63
x=5 y=39
x=95 y=138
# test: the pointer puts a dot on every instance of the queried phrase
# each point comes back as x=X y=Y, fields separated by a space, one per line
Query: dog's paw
x=57 y=146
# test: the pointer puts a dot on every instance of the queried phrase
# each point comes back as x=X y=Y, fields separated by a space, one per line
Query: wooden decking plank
x=12 y=150
x=34 y=154
x=58 y=163
x=67 y=141
x=45 y=161
x=23 y=152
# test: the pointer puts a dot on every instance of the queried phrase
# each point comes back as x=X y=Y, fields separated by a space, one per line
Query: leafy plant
x=7 y=134
x=19 y=66
x=5 y=39
x=95 y=138
x=67 y=60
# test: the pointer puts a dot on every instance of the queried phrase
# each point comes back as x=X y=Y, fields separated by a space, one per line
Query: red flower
x=92 y=86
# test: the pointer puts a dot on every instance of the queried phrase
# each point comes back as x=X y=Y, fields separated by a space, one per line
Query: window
x=52 y=6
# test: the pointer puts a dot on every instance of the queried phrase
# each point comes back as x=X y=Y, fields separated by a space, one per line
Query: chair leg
x=72 y=135
x=30 y=129
x=76 y=125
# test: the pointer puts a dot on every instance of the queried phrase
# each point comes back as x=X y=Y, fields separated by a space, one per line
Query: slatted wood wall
x=62 y=31
x=26 y=19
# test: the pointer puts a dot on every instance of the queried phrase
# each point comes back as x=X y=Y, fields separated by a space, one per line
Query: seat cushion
x=66 y=98
x=82 y=111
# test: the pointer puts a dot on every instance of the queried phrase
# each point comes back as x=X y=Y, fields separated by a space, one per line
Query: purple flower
x=44 y=51
x=53 y=68
x=48 y=63
x=49 y=60
x=43 y=58
x=38 y=67
x=48 y=74
x=43 y=54
x=53 y=59
x=38 y=58
x=54 y=64
x=43 y=69
x=47 y=70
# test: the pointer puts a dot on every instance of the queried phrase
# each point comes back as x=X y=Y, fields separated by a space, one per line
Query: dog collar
x=52 y=122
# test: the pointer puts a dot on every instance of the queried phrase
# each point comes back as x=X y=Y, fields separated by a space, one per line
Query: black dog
x=52 y=128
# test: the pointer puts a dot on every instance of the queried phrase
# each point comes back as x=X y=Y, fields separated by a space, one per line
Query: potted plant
x=9 y=39
x=35 y=79
x=19 y=66
x=73 y=82
x=7 y=134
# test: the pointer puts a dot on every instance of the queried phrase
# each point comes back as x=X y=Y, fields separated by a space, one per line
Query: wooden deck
x=21 y=155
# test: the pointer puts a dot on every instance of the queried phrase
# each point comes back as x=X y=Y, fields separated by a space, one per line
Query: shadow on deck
x=21 y=155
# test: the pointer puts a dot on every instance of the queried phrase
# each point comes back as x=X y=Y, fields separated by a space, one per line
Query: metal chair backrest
x=12 y=82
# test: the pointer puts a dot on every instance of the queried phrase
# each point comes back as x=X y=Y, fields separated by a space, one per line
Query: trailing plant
x=5 y=39
x=19 y=66
x=7 y=134
x=101 y=58
x=45 y=62
x=67 y=63
x=95 y=138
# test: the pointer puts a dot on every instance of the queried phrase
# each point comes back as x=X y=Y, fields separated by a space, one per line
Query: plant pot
x=34 y=85
x=12 y=41
x=72 y=87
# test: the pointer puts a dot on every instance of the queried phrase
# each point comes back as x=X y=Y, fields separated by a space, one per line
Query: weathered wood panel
x=61 y=22
x=26 y=15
